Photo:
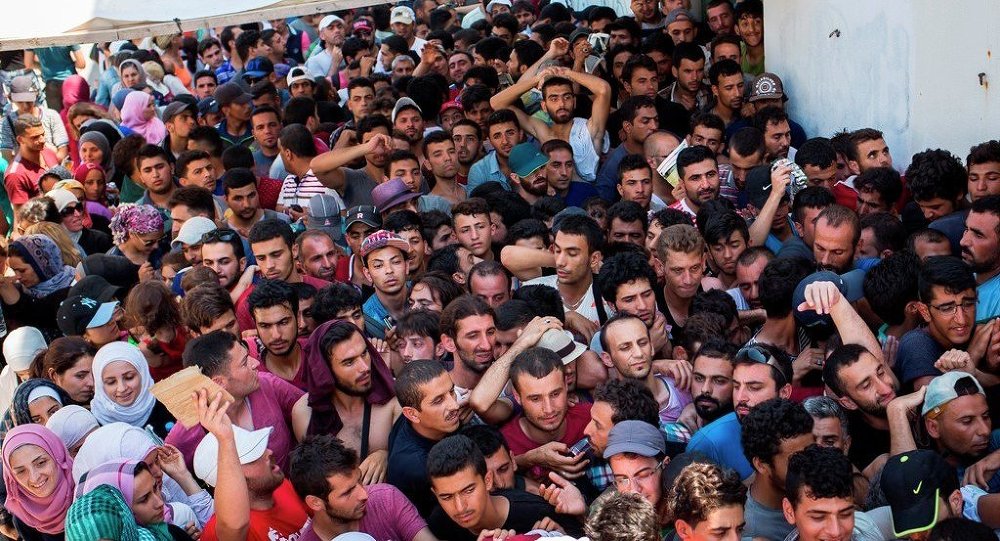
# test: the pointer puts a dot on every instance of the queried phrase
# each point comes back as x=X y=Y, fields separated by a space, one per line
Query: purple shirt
x=270 y=405
x=389 y=516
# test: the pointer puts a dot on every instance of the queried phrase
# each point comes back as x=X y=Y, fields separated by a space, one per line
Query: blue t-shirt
x=988 y=303
x=720 y=442
x=57 y=62
x=918 y=351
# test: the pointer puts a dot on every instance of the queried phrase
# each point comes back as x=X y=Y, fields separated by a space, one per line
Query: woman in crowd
x=80 y=113
x=139 y=116
x=72 y=253
x=72 y=424
x=138 y=488
x=40 y=283
x=130 y=75
x=75 y=89
x=120 y=441
x=93 y=173
x=103 y=514
x=20 y=348
x=136 y=231
x=37 y=473
x=707 y=499
x=35 y=401
x=36 y=209
x=67 y=363
x=122 y=390
x=154 y=322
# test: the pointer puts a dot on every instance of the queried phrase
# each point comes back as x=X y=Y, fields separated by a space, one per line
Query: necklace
x=573 y=306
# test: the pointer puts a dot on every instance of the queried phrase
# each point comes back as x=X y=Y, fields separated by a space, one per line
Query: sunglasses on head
x=757 y=354
x=218 y=235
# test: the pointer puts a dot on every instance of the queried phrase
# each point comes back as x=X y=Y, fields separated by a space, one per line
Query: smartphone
x=581 y=446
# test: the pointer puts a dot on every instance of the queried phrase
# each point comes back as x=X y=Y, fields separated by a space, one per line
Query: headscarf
x=117 y=473
x=19 y=413
x=113 y=441
x=133 y=118
x=48 y=514
x=100 y=141
x=72 y=424
x=108 y=129
x=45 y=259
x=138 y=66
x=320 y=381
x=137 y=219
x=104 y=514
x=19 y=349
x=75 y=89
x=107 y=410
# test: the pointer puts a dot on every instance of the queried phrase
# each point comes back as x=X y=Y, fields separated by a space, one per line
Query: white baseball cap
x=62 y=197
x=328 y=20
x=193 y=230
x=249 y=446
x=402 y=14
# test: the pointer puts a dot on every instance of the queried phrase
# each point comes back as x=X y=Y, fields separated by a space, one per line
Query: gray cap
x=637 y=437
x=175 y=108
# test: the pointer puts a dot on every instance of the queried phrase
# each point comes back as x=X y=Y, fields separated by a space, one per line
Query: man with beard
x=503 y=132
x=222 y=251
x=276 y=405
x=699 y=174
x=635 y=182
x=350 y=395
x=527 y=172
x=468 y=332
x=317 y=255
x=681 y=250
x=548 y=426
x=981 y=250
x=749 y=267
x=468 y=138
x=760 y=373
x=639 y=118
x=947 y=293
x=727 y=89
x=242 y=198
x=559 y=172
x=626 y=282
x=265 y=121
x=774 y=124
x=360 y=98
x=441 y=159
x=407 y=118
x=430 y=413
x=627 y=352
x=356 y=185
x=711 y=389
x=689 y=69
x=275 y=308
x=325 y=474
x=776 y=290
x=835 y=238
x=587 y=136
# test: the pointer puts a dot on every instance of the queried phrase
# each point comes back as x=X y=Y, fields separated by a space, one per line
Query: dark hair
x=152 y=305
x=770 y=422
x=988 y=152
x=303 y=290
x=454 y=454
x=818 y=151
x=720 y=226
x=471 y=207
x=204 y=304
x=314 y=460
x=927 y=235
x=630 y=400
x=297 y=111
x=842 y=357
x=245 y=41
x=891 y=284
x=436 y=137
x=445 y=260
x=585 y=227
x=528 y=51
x=749 y=8
x=333 y=299
x=635 y=62
x=402 y=220
x=887 y=231
x=234 y=240
x=546 y=208
x=488 y=80
x=988 y=205
x=269 y=229
x=555 y=81
x=936 y=173
x=414 y=375
x=777 y=284
x=884 y=181
x=462 y=307
x=544 y=300
x=535 y=362
x=819 y=473
x=526 y=229
x=431 y=221
x=632 y=162
x=622 y=269
x=960 y=529
x=855 y=138
x=205 y=45
x=709 y=120
x=628 y=212
x=270 y=293
x=771 y=114
x=687 y=51
x=715 y=301
x=692 y=155
x=197 y=199
x=814 y=197
x=148 y=152
x=502 y=116
x=207 y=135
x=486 y=269
x=298 y=140
x=838 y=215
x=668 y=217
x=747 y=141
x=487 y=438
x=723 y=68
x=61 y=355
x=237 y=156
x=186 y=157
x=513 y=313
x=699 y=329
x=420 y=322
x=946 y=271
x=210 y=352
x=371 y=123
x=236 y=178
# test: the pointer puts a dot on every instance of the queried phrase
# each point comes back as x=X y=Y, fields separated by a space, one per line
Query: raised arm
x=760 y=227
x=521 y=261
x=601 y=90
x=329 y=166
x=510 y=95
x=232 y=500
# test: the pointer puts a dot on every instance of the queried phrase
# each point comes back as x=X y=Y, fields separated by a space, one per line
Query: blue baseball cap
x=525 y=159
x=258 y=67
x=208 y=105
x=850 y=285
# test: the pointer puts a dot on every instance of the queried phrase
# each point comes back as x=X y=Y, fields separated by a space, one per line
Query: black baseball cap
x=914 y=483
x=96 y=287
x=79 y=313
x=230 y=93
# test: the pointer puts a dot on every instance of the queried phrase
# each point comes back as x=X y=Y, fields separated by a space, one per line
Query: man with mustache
x=275 y=306
x=835 y=238
x=760 y=373
x=430 y=413
x=711 y=389
x=699 y=174
x=981 y=250
x=350 y=388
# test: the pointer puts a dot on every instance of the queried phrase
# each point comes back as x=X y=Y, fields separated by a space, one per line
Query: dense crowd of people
x=504 y=270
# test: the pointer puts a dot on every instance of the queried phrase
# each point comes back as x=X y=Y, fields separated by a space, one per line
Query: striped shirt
x=300 y=190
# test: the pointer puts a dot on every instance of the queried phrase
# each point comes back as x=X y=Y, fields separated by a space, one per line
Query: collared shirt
x=245 y=139
x=701 y=98
x=487 y=169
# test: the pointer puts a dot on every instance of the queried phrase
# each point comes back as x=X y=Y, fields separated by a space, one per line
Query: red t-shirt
x=268 y=190
x=21 y=179
x=287 y=520
x=519 y=443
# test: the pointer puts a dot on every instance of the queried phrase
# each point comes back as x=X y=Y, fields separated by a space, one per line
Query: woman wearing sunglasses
x=136 y=231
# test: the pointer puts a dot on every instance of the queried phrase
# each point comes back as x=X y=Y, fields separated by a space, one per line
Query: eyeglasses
x=71 y=210
x=219 y=235
x=756 y=354
x=624 y=482
x=949 y=309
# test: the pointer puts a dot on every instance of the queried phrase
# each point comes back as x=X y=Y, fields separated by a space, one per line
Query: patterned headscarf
x=103 y=514
x=48 y=514
x=44 y=257
x=138 y=219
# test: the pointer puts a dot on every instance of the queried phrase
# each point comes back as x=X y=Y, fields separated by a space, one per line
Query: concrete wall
x=907 y=67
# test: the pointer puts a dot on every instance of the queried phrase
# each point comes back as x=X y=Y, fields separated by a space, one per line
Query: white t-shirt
x=588 y=306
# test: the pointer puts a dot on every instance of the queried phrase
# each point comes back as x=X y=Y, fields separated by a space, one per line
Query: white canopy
x=26 y=24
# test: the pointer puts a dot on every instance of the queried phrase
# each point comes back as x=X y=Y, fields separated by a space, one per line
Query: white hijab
x=107 y=410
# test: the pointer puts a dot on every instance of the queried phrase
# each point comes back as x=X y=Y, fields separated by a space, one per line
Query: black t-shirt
x=525 y=510
x=408 y=465
x=867 y=442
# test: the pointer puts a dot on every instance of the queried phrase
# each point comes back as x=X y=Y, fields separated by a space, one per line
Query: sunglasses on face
x=70 y=210
x=151 y=242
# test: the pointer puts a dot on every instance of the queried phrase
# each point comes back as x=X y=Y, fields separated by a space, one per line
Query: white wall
x=907 y=67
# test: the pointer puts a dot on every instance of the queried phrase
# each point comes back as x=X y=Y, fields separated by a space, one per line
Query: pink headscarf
x=47 y=515
x=75 y=89
x=84 y=169
x=117 y=473
x=133 y=109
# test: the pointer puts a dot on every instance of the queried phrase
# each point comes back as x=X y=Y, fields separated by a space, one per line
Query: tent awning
x=43 y=23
